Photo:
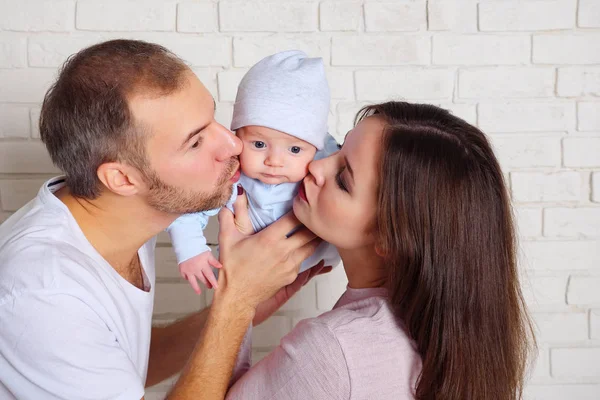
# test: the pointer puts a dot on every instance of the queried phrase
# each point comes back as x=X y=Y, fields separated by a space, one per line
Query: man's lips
x=236 y=176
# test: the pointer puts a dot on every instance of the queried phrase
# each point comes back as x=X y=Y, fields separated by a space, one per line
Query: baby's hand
x=198 y=267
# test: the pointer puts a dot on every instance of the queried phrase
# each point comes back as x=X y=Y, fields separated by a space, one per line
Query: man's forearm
x=171 y=346
x=209 y=369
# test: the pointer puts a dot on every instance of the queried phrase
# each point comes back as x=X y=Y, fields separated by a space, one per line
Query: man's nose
x=229 y=145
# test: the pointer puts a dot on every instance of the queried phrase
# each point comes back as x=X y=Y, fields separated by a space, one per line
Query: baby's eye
x=295 y=149
x=259 y=145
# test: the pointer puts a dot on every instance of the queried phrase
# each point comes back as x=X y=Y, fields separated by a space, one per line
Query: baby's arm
x=192 y=252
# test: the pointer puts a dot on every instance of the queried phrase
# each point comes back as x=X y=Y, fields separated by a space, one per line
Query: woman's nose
x=317 y=169
x=229 y=145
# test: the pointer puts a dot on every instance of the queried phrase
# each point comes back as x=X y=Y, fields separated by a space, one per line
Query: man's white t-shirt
x=70 y=326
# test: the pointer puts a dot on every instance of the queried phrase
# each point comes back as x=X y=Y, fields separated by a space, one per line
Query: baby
x=280 y=114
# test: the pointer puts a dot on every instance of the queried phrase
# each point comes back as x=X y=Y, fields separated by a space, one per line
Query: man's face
x=192 y=159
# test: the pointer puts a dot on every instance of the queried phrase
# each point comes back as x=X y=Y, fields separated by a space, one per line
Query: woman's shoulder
x=369 y=342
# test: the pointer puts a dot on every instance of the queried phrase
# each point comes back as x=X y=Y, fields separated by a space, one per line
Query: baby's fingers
x=194 y=282
x=211 y=279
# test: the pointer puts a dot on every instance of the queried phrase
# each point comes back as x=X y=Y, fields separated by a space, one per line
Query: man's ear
x=120 y=178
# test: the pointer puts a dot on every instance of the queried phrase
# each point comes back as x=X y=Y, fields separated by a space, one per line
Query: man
x=133 y=130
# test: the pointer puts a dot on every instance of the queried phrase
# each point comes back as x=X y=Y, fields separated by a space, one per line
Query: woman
x=416 y=204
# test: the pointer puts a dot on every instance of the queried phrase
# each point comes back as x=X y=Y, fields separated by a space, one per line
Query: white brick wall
x=526 y=71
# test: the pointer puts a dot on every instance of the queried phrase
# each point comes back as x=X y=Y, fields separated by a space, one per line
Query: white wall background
x=527 y=72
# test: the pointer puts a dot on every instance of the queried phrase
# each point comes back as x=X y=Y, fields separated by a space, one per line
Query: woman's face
x=338 y=198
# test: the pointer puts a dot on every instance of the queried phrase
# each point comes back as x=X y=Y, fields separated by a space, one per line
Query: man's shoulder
x=38 y=252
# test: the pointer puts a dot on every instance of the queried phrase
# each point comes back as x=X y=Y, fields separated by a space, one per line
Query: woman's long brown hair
x=445 y=227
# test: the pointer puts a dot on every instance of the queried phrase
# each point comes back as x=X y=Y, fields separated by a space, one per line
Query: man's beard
x=170 y=199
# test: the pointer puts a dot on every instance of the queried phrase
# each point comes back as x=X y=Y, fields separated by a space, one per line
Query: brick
x=4 y=216
x=575 y=362
x=529 y=221
x=208 y=77
x=159 y=394
x=250 y=49
x=346 y=112
x=53 y=50
x=197 y=51
x=506 y=82
x=452 y=15
x=25 y=158
x=541 y=187
x=270 y=332
x=330 y=287
x=305 y=299
x=562 y=392
x=541 y=364
x=574 y=48
x=522 y=151
x=176 y=298
x=34 y=119
x=37 y=16
x=13 y=50
x=595 y=324
x=580 y=255
x=596 y=187
x=339 y=15
x=126 y=16
x=399 y=16
x=583 y=290
x=380 y=50
x=228 y=83
x=14 y=121
x=569 y=222
x=545 y=291
x=451 y=49
x=163 y=238
x=581 y=152
x=527 y=16
x=526 y=117
x=197 y=17
x=561 y=327
x=400 y=84
x=224 y=114
x=468 y=112
x=341 y=83
x=589 y=14
x=14 y=194
x=212 y=231
x=166 y=263
x=588 y=117
x=268 y=15
x=25 y=85
x=578 y=81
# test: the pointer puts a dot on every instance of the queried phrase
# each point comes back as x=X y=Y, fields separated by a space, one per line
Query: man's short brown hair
x=85 y=119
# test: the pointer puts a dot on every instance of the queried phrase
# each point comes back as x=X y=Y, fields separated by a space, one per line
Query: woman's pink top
x=358 y=350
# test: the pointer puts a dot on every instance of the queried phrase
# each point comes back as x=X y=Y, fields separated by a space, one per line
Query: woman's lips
x=302 y=192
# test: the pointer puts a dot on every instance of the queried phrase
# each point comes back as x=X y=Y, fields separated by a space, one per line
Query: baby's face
x=272 y=156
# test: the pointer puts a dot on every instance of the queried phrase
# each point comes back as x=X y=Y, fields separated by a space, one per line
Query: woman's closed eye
x=340 y=181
